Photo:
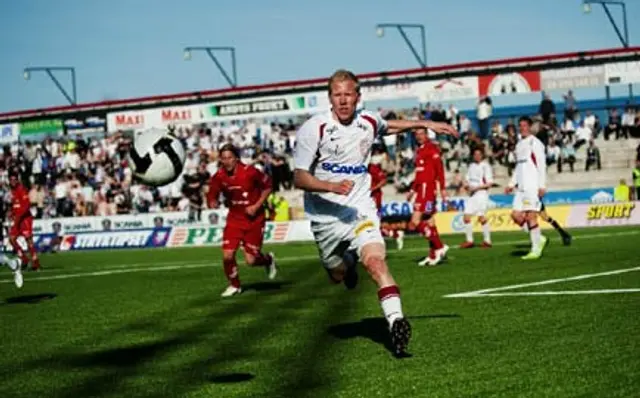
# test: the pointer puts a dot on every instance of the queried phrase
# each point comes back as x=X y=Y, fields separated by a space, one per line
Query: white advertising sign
x=157 y=117
x=448 y=89
x=125 y=222
x=130 y=120
x=622 y=72
x=284 y=105
x=391 y=91
x=569 y=78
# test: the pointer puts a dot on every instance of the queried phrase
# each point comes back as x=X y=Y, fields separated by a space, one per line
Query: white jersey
x=531 y=169
x=334 y=152
x=479 y=174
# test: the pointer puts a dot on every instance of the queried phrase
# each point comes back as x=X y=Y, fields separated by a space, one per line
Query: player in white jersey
x=331 y=157
x=478 y=181
x=529 y=183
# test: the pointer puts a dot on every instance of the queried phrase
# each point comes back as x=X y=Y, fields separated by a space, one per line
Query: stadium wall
x=203 y=234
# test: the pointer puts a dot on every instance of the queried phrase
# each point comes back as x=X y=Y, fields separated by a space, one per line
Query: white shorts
x=526 y=201
x=336 y=238
x=477 y=204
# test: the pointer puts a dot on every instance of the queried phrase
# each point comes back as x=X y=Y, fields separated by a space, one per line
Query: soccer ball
x=156 y=156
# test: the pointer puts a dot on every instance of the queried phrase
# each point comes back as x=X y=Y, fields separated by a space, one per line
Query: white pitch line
x=483 y=292
x=176 y=265
x=560 y=292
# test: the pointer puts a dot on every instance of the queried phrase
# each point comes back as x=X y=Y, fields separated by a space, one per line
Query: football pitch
x=150 y=323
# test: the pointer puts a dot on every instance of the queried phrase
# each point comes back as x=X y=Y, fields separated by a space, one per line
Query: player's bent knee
x=228 y=255
x=336 y=273
x=467 y=218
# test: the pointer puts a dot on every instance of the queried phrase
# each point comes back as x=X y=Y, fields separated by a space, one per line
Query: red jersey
x=241 y=189
x=429 y=167
x=377 y=176
x=20 y=203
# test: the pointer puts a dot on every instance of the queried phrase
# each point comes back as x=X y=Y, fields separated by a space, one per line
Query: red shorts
x=425 y=202
x=377 y=198
x=248 y=233
x=24 y=228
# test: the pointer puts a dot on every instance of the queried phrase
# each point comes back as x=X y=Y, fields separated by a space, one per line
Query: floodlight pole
x=401 y=28
x=73 y=99
x=232 y=81
x=623 y=36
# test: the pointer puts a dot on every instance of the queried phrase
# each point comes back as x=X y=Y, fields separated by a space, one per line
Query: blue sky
x=129 y=48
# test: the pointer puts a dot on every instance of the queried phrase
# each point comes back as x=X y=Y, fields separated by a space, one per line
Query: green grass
x=153 y=325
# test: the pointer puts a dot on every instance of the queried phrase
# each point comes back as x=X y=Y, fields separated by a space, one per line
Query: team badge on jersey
x=365 y=146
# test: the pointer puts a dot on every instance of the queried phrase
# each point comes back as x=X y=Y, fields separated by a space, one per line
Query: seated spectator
x=498 y=150
x=553 y=153
x=583 y=135
x=613 y=127
x=568 y=156
x=593 y=156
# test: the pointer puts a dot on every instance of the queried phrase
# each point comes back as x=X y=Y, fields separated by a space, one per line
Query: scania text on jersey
x=337 y=168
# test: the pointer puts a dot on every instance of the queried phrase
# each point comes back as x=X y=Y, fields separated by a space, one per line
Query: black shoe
x=566 y=240
x=351 y=277
x=400 y=336
x=351 y=274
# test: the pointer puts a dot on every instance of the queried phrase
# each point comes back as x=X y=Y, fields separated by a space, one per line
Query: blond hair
x=344 y=75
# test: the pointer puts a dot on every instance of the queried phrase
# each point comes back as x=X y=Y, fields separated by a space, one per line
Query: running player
x=529 y=182
x=331 y=158
x=429 y=179
x=22 y=222
x=245 y=189
x=478 y=181
x=379 y=180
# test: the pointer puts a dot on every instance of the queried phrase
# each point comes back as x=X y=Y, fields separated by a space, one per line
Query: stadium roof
x=549 y=61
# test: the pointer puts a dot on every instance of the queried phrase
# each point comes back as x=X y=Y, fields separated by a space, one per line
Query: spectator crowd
x=73 y=176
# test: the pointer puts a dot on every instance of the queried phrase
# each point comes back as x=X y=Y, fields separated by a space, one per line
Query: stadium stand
x=88 y=175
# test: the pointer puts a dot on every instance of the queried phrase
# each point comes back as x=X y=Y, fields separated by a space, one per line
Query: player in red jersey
x=379 y=180
x=22 y=222
x=428 y=180
x=245 y=189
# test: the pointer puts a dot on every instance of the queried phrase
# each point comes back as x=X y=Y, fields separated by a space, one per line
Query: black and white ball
x=156 y=156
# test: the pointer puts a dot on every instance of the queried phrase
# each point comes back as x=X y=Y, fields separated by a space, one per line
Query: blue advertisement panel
x=403 y=209
x=129 y=239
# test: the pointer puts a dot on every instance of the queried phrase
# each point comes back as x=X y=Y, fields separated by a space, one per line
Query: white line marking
x=176 y=265
x=484 y=292
x=560 y=292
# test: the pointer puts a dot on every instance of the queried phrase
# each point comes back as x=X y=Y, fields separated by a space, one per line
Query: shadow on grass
x=29 y=299
x=519 y=253
x=267 y=286
x=231 y=378
x=377 y=329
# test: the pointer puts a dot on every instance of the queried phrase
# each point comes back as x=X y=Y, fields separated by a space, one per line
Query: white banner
x=448 y=89
x=208 y=235
x=568 y=78
x=157 y=117
x=9 y=133
x=130 y=120
x=284 y=105
x=391 y=91
x=622 y=72
x=125 y=222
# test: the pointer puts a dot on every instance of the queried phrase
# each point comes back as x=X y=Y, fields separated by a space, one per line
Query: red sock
x=431 y=233
x=435 y=238
x=262 y=260
x=231 y=271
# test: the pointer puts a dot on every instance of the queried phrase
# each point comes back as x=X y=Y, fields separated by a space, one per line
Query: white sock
x=468 y=231
x=535 y=238
x=6 y=260
x=525 y=227
x=486 y=232
x=390 y=302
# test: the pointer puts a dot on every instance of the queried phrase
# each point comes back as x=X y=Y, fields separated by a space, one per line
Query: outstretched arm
x=399 y=126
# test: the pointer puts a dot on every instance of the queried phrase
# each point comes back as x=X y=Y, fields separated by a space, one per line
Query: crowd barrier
x=203 y=234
